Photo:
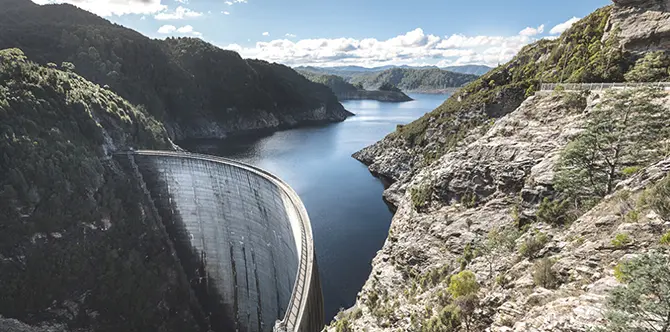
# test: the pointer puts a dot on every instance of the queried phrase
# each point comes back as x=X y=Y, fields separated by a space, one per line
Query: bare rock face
x=496 y=180
x=642 y=25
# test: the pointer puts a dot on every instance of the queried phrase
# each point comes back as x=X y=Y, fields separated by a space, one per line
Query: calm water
x=349 y=219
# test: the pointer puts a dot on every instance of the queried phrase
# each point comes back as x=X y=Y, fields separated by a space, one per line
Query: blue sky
x=352 y=32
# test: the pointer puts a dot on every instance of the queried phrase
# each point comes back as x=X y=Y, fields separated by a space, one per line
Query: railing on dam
x=304 y=312
x=603 y=86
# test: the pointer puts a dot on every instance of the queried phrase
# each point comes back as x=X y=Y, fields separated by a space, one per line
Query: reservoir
x=350 y=221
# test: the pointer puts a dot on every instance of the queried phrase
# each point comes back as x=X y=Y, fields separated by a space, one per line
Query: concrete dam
x=242 y=236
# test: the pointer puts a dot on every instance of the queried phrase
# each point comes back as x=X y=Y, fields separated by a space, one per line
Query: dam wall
x=242 y=236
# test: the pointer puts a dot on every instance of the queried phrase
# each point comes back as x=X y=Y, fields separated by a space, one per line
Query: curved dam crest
x=243 y=238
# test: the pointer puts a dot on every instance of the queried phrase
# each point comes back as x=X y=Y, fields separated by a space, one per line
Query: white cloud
x=266 y=33
x=179 y=14
x=183 y=1
x=225 y=13
x=560 y=28
x=143 y=18
x=185 y=30
x=232 y=2
x=167 y=29
x=290 y=35
x=532 y=31
x=113 y=7
x=188 y=30
x=413 y=48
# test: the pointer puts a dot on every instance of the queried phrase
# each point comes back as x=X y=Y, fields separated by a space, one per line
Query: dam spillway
x=242 y=236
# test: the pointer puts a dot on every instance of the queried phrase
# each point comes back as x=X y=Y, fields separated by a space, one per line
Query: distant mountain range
x=408 y=79
x=347 y=71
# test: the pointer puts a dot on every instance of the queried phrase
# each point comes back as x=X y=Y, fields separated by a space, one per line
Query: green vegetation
x=411 y=79
x=498 y=242
x=658 y=198
x=448 y=320
x=653 y=67
x=554 y=212
x=625 y=131
x=621 y=240
x=533 y=244
x=579 y=55
x=462 y=284
x=179 y=80
x=334 y=82
x=469 y=254
x=421 y=196
x=388 y=87
x=665 y=239
x=641 y=303
x=543 y=275
x=105 y=253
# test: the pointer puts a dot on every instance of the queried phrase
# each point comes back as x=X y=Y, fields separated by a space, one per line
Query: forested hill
x=195 y=88
x=415 y=80
x=79 y=246
x=347 y=91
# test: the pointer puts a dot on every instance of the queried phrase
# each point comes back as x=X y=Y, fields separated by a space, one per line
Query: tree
x=653 y=67
x=498 y=242
x=624 y=130
x=463 y=288
x=642 y=303
x=388 y=87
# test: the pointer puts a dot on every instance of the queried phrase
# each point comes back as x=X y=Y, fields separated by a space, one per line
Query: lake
x=350 y=221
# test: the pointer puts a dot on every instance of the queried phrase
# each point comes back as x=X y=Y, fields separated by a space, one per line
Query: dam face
x=242 y=236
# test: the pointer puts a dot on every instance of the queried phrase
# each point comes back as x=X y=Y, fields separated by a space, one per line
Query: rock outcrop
x=498 y=180
x=642 y=25
x=485 y=161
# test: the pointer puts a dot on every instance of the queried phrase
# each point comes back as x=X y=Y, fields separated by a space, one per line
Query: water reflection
x=350 y=220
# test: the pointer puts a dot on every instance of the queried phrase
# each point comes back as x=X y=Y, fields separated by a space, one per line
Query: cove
x=350 y=221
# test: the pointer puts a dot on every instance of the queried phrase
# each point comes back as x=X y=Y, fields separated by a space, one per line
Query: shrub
x=543 y=275
x=628 y=171
x=447 y=320
x=633 y=216
x=464 y=283
x=641 y=304
x=469 y=200
x=621 y=240
x=658 y=198
x=421 y=196
x=554 y=212
x=653 y=67
x=343 y=325
x=665 y=239
x=533 y=244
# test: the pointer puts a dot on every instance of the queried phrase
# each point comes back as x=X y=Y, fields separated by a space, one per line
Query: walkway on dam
x=304 y=312
x=603 y=86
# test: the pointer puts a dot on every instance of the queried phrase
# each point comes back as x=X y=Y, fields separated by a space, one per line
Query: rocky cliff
x=492 y=231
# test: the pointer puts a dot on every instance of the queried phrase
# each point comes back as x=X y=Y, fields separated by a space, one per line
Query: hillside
x=408 y=79
x=78 y=246
x=350 y=71
x=415 y=80
x=347 y=91
x=519 y=211
x=478 y=70
x=194 y=88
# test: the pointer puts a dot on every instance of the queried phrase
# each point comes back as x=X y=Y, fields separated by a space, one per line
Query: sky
x=353 y=32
